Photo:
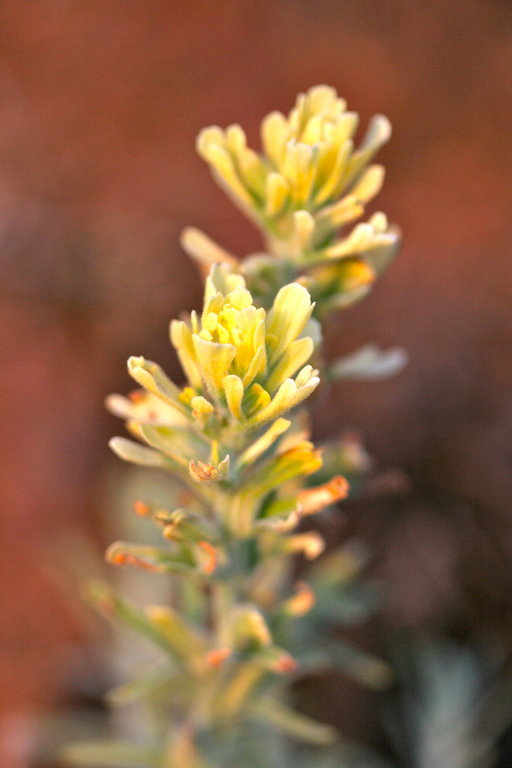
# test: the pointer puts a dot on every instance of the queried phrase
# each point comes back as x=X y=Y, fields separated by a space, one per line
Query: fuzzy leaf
x=294 y=724
x=138 y=454
x=110 y=754
x=114 y=607
x=368 y=363
x=148 y=558
x=152 y=682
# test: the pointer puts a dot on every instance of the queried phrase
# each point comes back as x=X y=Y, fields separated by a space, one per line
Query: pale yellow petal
x=283 y=400
x=258 y=448
x=234 y=392
x=137 y=454
x=293 y=358
x=369 y=183
x=204 y=249
x=303 y=229
x=257 y=366
x=256 y=399
x=181 y=339
x=286 y=320
x=276 y=194
x=274 y=135
x=214 y=361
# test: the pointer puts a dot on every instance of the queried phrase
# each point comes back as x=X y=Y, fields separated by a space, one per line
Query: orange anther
x=137 y=396
x=286 y=664
x=217 y=656
x=302 y=601
x=124 y=558
x=141 y=509
x=211 y=564
x=202 y=472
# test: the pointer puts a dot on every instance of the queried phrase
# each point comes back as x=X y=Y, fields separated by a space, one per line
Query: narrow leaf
x=293 y=723
x=109 y=754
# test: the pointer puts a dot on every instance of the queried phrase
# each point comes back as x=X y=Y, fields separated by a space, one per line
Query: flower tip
x=140 y=508
x=385 y=127
x=115 y=444
x=135 y=361
x=216 y=657
x=212 y=557
x=286 y=664
x=313 y=500
x=302 y=601
x=116 y=558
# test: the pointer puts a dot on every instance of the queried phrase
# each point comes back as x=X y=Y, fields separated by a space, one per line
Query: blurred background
x=100 y=103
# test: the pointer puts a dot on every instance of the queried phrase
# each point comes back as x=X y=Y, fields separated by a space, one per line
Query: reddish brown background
x=100 y=102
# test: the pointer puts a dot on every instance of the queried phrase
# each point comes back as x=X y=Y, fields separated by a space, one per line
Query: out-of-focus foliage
x=455 y=703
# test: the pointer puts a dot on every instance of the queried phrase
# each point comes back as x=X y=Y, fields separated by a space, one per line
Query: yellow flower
x=309 y=157
x=310 y=179
x=309 y=183
x=245 y=367
x=242 y=363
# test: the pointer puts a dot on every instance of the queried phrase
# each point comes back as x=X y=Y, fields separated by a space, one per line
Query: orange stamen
x=217 y=656
x=286 y=664
x=211 y=564
x=123 y=558
x=141 y=509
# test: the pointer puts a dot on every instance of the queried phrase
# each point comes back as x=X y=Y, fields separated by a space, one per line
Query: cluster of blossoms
x=237 y=444
x=309 y=184
x=224 y=434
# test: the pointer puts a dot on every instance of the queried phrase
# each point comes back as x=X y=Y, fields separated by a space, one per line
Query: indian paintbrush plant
x=241 y=628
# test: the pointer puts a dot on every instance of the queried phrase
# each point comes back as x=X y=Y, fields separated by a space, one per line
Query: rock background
x=100 y=102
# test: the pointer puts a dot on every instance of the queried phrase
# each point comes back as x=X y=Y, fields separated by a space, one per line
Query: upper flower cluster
x=309 y=182
x=308 y=159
